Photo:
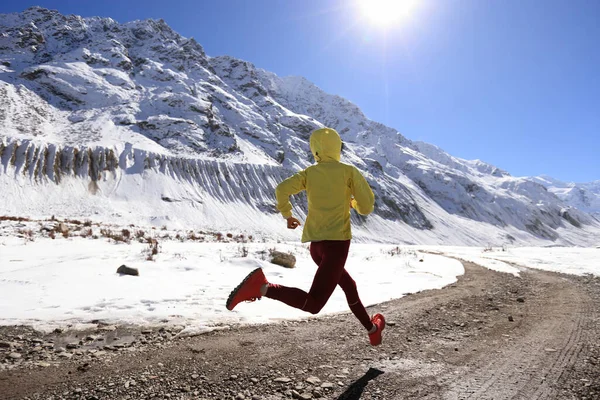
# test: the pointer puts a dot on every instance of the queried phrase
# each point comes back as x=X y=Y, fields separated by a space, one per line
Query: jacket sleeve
x=364 y=200
x=292 y=185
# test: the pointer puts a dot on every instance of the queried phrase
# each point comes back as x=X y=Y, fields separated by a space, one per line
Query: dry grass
x=27 y=234
x=84 y=228
x=399 y=251
x=242 y=251
x=152 y=250
x=123 y=237
x=192 y=236
x=87 y=232
x=201 y=237
x=16 y=219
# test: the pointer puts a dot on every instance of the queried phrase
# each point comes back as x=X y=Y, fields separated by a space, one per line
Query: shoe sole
x=237 y=288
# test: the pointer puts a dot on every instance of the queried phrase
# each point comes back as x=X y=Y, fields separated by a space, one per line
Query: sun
x=386 y=13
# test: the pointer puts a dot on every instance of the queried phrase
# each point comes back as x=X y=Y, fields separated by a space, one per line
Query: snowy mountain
x=583 y=196
x=135 y=123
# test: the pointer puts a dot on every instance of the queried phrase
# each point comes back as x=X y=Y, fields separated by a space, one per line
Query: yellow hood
x=326 y=145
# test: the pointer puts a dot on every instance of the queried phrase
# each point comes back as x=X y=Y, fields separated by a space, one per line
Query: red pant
x=330 y=256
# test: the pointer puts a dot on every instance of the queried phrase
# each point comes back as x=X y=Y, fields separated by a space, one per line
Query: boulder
x=125 y=270
x=286 y=260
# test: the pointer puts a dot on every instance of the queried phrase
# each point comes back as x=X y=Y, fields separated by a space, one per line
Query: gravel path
x=489 y=336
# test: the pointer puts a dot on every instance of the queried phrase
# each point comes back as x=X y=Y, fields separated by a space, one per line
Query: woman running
x=332 y=188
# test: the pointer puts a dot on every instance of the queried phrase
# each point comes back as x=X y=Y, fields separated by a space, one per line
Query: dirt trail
x=489 y=336
x=532 y=359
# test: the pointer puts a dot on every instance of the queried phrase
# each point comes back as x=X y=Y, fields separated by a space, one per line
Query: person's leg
x=315 y=252
x=349 y=287
x=331 y=257
x=374 y=325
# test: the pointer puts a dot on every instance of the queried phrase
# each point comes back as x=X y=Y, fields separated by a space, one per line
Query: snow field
x=48 y=283
x=568 y=260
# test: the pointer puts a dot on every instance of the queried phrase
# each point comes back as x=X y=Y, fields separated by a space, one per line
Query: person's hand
x=292 y=223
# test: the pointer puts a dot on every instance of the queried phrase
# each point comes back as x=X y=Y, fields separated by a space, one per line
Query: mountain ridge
x=92 y=83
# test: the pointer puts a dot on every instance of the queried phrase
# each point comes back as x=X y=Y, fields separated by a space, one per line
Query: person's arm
x=292 y=185
x=364 y=200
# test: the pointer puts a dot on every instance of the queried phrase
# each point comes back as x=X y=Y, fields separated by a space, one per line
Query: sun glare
x=386 y=13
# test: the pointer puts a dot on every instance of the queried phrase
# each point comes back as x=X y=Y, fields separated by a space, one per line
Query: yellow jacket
x=329 y=185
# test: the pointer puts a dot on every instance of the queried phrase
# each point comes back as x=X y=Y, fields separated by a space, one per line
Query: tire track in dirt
x=549 y=340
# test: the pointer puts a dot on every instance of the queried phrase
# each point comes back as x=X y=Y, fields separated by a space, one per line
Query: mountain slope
x=187 y=133
x=583 y=196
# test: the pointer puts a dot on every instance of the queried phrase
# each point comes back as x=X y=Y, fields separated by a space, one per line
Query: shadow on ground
x=356 y=389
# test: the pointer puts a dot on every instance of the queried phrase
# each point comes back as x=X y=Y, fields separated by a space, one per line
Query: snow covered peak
x=550 y=181
x=39 y=35
x=440 y=156
x=583 y=196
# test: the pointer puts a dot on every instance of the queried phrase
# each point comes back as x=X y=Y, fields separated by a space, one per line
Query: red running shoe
x=375 y=337
x=248 y=290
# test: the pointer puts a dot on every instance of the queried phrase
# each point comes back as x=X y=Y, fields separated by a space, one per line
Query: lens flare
x=386 y=13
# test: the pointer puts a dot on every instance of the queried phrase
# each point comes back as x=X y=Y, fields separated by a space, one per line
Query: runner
x=332 y=188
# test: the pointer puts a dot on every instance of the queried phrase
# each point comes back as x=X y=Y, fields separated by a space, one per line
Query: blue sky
x=515 y=83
